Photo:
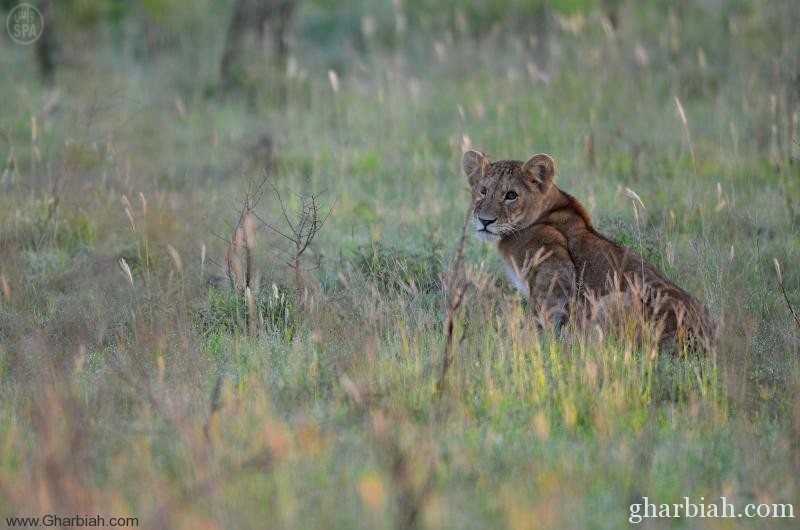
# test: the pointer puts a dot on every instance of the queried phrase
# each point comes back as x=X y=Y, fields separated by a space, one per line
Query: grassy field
x=135 y=381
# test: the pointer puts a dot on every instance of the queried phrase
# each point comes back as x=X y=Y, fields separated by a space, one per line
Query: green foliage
x=396 y=269
x=224 y=311
x=78 y=233
x=88 y=13
x=46 y=261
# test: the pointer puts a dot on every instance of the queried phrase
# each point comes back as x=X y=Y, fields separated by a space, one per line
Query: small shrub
x=45 y=261
x=77 y=234
x=225 y=311
x=391 y=268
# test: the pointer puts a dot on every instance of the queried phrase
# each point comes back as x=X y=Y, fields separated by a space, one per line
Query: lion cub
x=563 y=266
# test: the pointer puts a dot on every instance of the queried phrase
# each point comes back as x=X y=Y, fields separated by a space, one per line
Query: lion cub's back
x=604 y=267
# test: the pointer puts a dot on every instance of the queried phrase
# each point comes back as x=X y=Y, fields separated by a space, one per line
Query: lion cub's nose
x=486 y=222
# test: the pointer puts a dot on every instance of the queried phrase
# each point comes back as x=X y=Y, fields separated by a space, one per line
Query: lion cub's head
x=508 y=195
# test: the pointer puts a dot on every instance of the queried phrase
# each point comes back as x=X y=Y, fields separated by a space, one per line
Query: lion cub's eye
x=511 y=195
x=483 y=191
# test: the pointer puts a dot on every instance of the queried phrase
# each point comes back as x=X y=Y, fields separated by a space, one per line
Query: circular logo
x=25 y=24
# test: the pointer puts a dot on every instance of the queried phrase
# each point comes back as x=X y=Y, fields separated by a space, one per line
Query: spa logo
x=25 y=24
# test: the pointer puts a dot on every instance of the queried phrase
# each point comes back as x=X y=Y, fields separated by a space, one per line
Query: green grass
x=157 y=399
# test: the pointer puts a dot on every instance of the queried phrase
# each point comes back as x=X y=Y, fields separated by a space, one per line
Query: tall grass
x=132 y=382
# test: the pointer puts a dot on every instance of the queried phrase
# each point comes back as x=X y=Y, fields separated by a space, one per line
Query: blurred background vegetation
x=168 y=352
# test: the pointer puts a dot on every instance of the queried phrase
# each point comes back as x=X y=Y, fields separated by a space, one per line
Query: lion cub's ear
x=540 y=168
x=474 y=164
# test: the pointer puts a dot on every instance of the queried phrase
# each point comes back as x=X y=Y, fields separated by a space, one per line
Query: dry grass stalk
x=686 y=130
x=455 y=296
x=129 y=213
x=6 y=288
x=176 y=258
x=126 y=270
x=783 y=291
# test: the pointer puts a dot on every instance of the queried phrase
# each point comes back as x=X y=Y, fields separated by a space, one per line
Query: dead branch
x=302 y=227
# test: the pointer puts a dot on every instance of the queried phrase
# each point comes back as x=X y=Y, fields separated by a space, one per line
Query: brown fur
x=563 y=266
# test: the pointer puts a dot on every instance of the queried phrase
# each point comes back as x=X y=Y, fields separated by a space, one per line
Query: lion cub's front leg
x=549 y=279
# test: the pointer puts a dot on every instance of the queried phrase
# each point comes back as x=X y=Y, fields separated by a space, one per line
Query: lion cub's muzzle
x=486 y=227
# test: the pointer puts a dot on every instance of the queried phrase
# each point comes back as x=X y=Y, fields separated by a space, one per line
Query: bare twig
x=302 y=226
